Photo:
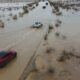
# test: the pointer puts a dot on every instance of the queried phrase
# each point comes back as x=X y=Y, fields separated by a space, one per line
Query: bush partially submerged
x=25 y=9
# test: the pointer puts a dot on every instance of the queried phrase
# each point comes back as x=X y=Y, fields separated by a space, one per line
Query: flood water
x=70 y=19
x=27 y=42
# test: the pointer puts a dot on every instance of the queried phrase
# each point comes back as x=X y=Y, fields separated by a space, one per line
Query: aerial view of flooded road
x=39 y=41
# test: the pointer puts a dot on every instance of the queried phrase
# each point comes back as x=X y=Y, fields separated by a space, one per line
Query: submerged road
x=25 y=43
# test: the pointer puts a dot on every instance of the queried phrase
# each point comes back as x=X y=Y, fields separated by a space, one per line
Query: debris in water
x=61 y=59
x=75 y=9
x=45 y=43
x=51 y=70
x=1 y=24
x=50 y=28
x=15 y=17
x=59 y=21
x=56 y=8
x=37 y=4
x=44 y=7
x=64 y=37
x=10 y=9
x=65 y=55
x=57 y=25
x=10 y=14
x=53 y=11
x=34 y=70
x=25 y=9
x=8 y=19
x=49 y=50
x=57 y=34
x=59 y=13
x=46 y=37
x=46 y=3
x=21 y=14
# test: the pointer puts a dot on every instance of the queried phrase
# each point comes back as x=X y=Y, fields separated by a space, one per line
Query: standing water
x=16 y=20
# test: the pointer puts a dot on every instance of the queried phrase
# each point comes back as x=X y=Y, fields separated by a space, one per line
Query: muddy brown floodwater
x=48 y=43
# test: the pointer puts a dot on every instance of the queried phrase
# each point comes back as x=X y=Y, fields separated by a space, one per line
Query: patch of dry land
x=50 y=52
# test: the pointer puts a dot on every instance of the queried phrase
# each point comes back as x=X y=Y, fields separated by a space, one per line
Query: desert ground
x=48 y=53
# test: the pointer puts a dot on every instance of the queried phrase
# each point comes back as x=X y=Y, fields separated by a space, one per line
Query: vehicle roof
x=3 y=53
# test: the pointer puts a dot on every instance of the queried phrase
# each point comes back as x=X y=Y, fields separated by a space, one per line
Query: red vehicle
x=6 y=57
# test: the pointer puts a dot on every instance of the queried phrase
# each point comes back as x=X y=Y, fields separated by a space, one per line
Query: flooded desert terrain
x=47 y=53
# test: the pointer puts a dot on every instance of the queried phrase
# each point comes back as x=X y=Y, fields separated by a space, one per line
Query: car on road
x=37 y=25
x=6 y=57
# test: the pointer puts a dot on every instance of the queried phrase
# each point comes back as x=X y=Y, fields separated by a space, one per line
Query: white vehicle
x=37 y=25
